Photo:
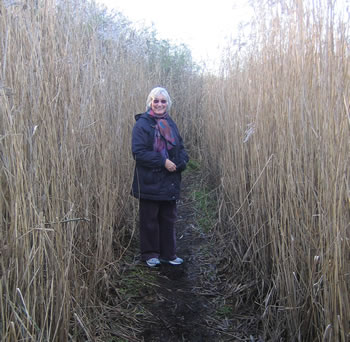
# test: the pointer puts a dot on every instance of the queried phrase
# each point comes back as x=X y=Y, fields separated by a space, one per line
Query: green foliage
x=171 y=61
x=225 y=311
x=137 y=281
x=193 y=165
x=206 y=208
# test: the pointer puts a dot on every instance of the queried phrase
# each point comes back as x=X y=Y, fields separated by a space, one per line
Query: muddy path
x=182 y=308
x=186 y=302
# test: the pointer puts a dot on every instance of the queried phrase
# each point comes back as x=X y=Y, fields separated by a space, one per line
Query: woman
x=160 y=158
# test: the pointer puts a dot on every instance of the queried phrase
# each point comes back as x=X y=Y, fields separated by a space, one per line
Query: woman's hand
x=170 y=166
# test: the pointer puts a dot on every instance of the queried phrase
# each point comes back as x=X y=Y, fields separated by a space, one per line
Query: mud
x=180 y=310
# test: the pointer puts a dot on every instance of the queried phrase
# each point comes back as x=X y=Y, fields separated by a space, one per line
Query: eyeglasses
x=157 y=101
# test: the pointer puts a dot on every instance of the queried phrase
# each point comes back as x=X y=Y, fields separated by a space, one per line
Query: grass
x=136 y=282
x=225 y=311
x=193 y=165
x=205 y=209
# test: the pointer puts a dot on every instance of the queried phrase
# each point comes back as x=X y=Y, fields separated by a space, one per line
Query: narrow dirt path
x=182 y=308
x=186 y=302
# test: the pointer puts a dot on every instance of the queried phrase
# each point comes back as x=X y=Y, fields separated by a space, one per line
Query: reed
x=272 y=132
x=277 y=140
x=72 y=77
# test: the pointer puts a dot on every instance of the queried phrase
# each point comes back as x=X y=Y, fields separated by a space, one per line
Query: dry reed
x=71 y=79
x=277 y=140
x=272 y=131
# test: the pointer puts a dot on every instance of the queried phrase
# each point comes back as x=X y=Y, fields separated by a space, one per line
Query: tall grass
x=277 y=139
x=272 y=131
x=71 y=79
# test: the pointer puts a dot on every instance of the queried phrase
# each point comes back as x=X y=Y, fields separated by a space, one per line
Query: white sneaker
x=152 y=262
x=176 y=261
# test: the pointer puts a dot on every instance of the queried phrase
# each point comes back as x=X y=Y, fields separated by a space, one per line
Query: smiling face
x=159 y=105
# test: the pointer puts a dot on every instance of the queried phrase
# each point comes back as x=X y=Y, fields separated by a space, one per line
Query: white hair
x=154 y=93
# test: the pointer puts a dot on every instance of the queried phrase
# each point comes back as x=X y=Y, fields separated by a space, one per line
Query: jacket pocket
x=154 y=176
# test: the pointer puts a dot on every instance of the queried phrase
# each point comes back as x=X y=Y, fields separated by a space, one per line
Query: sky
x=202 y=25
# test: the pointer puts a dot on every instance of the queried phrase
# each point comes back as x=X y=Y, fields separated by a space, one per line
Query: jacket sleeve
x=142 y=149
x=183 y=156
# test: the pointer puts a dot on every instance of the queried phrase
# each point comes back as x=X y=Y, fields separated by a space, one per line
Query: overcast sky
x=202 y=25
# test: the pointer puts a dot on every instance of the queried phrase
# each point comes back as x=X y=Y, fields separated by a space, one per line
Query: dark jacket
x=151 y=179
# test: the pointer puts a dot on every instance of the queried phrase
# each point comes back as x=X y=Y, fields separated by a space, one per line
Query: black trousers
x=157 y=229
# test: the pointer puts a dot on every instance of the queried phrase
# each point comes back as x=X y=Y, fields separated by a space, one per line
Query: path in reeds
x=181 y=306
x=186 y=302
